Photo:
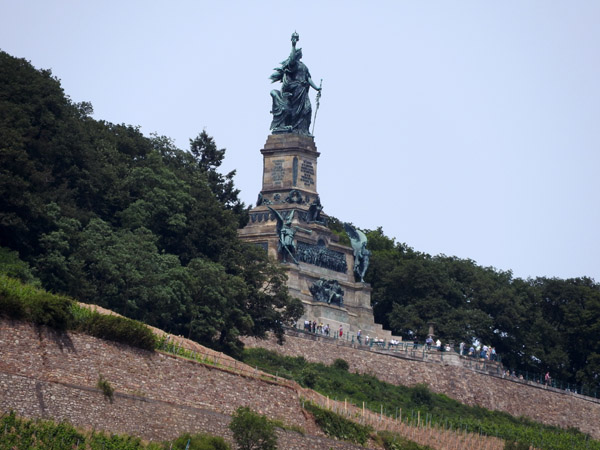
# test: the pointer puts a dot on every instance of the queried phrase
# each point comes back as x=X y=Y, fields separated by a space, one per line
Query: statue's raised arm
x=291 y=105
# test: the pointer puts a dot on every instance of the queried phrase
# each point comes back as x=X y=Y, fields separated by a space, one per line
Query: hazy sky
x=464 y=128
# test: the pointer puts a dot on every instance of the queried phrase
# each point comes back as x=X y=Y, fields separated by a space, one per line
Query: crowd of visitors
x=476 y=350
x=319 y=328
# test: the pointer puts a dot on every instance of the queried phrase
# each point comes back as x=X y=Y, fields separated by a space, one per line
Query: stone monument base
x=289 y=192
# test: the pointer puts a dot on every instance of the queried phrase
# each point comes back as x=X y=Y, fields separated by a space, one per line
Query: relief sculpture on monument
x=327 y=291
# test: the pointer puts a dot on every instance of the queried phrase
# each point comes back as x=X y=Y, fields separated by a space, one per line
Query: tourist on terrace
x=429 y=342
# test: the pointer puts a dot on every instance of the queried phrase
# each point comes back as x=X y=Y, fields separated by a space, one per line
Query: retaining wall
x=44 y=374
x=544 y=405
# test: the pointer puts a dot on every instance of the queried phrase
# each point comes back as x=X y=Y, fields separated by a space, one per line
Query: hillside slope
x=552 y=407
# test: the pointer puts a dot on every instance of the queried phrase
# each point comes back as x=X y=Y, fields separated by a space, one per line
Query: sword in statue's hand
x=317 y=107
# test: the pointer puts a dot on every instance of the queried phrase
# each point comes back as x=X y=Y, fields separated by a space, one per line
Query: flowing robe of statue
x=291 y=108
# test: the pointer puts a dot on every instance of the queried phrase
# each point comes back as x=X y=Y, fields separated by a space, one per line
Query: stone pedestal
x=290 y=185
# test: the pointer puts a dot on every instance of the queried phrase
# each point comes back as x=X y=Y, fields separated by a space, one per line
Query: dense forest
x=106 y=215
x=536 y=325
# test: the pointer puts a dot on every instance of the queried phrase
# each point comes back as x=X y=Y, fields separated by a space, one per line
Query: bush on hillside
x=421 y=395
x=252 y=431
x=24 y=302
x=200 y=441
x=116 y=328
x=341 y=364
x=339 y=427
x=12 y=266
x=394 y=441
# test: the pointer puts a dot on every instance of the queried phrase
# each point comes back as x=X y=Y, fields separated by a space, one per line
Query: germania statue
x=291 y=106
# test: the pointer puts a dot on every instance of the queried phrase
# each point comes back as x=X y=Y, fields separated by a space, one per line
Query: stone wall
x=549 y=406
x=48 y=375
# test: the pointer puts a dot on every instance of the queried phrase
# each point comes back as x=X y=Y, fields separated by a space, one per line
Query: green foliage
x=105 y=387
x=13 y=267
x=338 y=427
x=252 y=431
x=309 y=377
x=199 y=441
x=11 y=304
x=114 y=328
x=535 y=325
x=106 y=215
x=26 y=302
x=393 y=441
x=435 y=408
x=341 y=364
x=421 y=395
x=23 y=434
x=40 y=434
x=509 y=445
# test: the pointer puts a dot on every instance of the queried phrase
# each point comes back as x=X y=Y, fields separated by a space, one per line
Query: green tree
x=12 y=266
x=109 y=216
x=209 y=158
x=252 y=431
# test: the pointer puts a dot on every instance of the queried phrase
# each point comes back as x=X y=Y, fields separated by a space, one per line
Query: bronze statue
x=286 y=233
x=291 y=106
x=314 y=211
x=358 y=240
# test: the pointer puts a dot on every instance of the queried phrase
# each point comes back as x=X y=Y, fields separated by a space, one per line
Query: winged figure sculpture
x=358 y=240
x=286 y=233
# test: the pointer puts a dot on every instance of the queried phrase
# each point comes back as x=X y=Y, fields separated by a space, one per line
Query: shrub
x=421 y=395
x=341 y=364
x=338 y=427
x=114 y=328
x=50 y=310
x=199 y=441
x=11 y=305
x=309 y=377
x=21 y=433
x=252 y=431
x=393 y=441
x=25 y=302
x=105 y=387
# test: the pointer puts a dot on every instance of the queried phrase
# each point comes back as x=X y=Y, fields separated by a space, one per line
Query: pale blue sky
x=464 y=128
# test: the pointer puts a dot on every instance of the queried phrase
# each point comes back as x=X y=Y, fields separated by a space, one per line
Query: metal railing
x=410 y=350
